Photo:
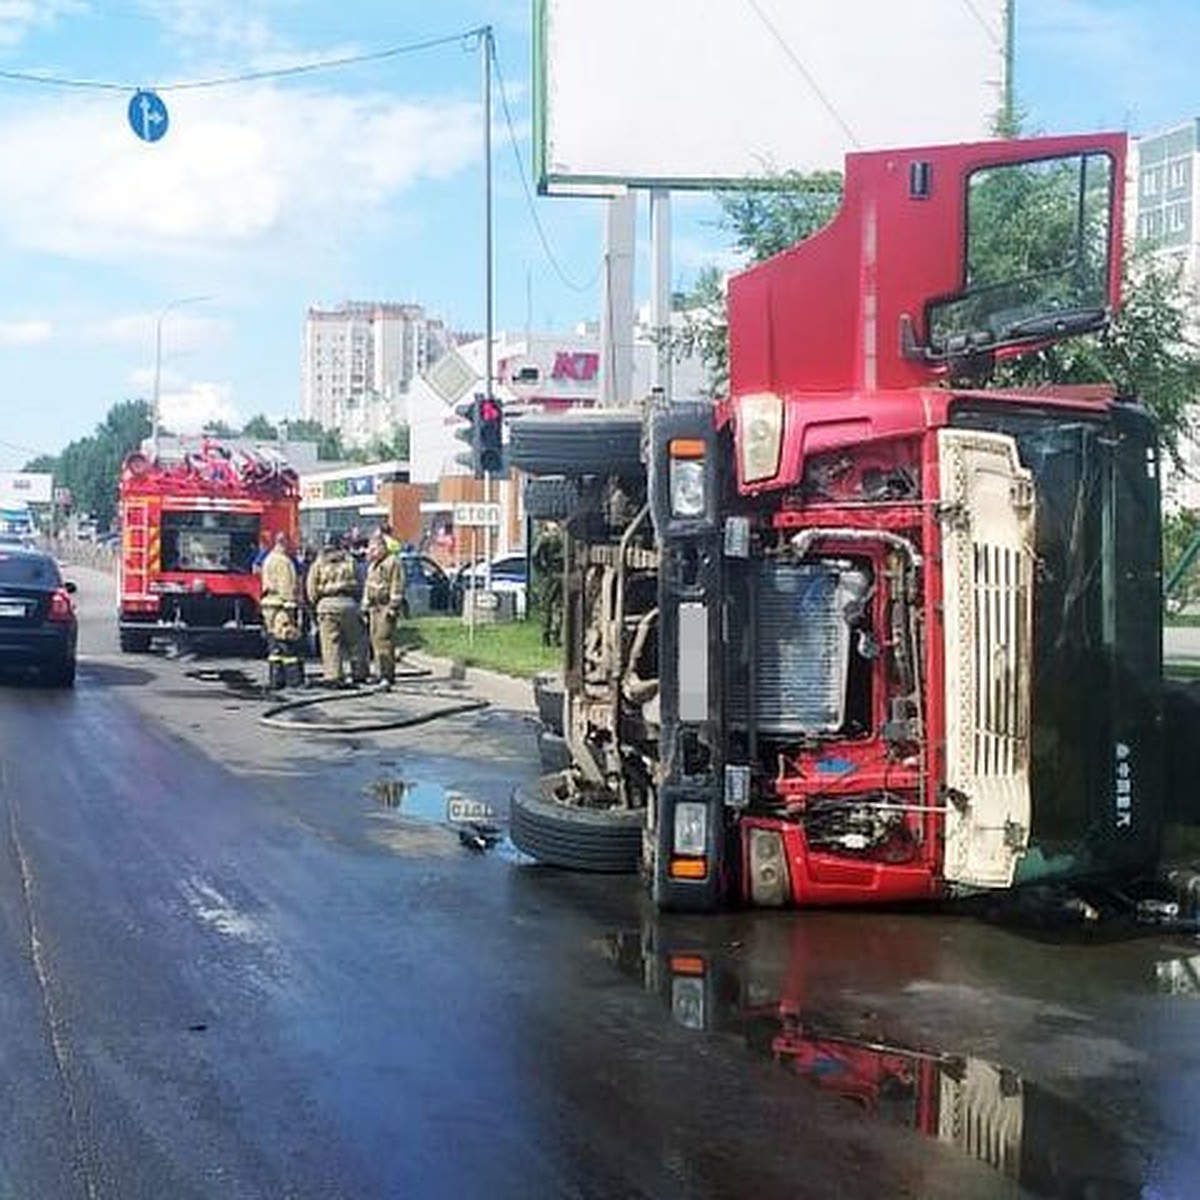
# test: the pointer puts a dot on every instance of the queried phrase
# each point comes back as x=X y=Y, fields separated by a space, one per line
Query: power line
x=812 y=83
x=537 y=224
x=993 y=36
x=324 y=64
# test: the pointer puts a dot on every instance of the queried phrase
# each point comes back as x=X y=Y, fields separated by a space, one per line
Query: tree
x=90 y=466
x=260 y=428
x=329 y=441
x=218 y=429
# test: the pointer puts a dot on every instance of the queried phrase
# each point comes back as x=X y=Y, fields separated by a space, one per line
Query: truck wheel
x=566 y=835
x=548 y=696
x=550 y=498
x=604 y=442
x=134 y=641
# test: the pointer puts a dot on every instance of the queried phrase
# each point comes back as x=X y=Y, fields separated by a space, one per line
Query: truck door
x=987 y=564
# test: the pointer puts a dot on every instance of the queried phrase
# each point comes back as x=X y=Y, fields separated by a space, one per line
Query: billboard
x=25 y=487
x=672 y=93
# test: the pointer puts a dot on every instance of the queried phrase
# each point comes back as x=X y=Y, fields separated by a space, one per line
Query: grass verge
x=511 y=647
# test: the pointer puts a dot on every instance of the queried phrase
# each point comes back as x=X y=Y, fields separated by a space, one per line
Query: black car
x=38 y=627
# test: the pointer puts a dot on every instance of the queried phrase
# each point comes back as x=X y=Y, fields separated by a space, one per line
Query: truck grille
x=801 y=651
x=1002 y=581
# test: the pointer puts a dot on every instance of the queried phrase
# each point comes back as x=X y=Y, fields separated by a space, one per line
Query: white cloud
x=181 y=332
x=24 y=333
x=18 y=18
x=187 y=409
x=236 y=169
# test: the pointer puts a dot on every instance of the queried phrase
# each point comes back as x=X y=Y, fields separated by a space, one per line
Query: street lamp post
x=155 y=418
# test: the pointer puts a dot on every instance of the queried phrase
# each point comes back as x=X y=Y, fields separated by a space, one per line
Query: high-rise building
x=359 y=359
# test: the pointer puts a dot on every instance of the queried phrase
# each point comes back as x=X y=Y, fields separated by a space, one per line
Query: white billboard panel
x=696 y=93
x=29 y=487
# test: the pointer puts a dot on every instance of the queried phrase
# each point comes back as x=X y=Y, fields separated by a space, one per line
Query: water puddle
x=982 y=1109
x=475 y=821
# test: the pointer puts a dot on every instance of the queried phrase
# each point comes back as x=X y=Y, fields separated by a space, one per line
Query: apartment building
x=358 y=362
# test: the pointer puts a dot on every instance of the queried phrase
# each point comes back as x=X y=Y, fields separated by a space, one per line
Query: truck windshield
x=1097 y=642
x=223 y=542
x=1037 y=255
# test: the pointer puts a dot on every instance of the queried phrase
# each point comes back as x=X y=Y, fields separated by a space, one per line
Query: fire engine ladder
x=136 y=538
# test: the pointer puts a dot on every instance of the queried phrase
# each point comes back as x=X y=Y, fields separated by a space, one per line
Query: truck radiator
x=794 y=651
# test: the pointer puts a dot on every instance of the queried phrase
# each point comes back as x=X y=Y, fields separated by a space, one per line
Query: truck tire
x=596 y=442
x=580 y=839
x=548 y=696
x=550 y=498
x=134 y=641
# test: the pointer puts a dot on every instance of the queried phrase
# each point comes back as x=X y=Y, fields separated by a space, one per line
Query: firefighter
x=281 y=616
x=383 y=597
x=548 y=562
x=333 y=592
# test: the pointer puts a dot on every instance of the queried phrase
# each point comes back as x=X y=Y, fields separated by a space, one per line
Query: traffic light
x=469 y=433
x=490 y=423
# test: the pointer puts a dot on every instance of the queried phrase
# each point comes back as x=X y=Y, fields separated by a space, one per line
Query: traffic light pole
x=489 y=288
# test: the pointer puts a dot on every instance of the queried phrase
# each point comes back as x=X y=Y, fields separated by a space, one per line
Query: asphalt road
x=240 y=962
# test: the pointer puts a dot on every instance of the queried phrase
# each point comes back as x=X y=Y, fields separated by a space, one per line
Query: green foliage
x=510 y=647
x=1179 y=530
x=329 y=441
x=1147 y=350
x=219 y=429
x=380 y=451
x=785 y=209
x=90 y=466
x=259 y=428
x=764 y=220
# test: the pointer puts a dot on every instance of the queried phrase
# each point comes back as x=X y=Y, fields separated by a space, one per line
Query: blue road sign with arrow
x=148 y=115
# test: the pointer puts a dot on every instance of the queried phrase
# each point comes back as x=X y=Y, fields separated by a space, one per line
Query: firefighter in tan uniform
x=281 y=616
x=383 y=597
x=333 y=593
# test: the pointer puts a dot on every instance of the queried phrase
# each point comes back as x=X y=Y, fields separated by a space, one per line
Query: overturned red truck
x=191 y=528
x=870 y=629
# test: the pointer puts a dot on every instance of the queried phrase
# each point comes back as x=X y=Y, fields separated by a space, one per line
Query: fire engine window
x=1037 y=255
x=210 y=541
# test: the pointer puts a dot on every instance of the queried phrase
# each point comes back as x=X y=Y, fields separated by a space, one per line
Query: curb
x=504 y=691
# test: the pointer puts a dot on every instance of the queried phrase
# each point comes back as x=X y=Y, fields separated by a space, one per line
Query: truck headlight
x=687 y=487
x=691 y=827
x=768 y=868
x=687 y=1002
x=760 y=429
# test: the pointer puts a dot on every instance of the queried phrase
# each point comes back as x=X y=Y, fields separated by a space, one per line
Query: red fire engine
x=869 y=629
x=191 y=530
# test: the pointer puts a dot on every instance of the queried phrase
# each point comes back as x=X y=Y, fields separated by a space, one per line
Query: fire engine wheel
x=548 y=696
x=551 y=498
x=565 y=835
x=134 y=641
x=583 y=443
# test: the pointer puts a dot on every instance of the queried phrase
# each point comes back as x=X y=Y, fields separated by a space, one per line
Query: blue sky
x=362 y=183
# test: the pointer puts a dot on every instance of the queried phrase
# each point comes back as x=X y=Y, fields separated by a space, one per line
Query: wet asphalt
x=246 y=962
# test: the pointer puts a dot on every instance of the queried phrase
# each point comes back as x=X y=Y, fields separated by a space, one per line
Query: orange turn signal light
x=688 y=868
x=686 y=447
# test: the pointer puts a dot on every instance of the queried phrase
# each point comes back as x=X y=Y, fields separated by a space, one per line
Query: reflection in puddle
x=983 y=1110
x=1178 y=976
x=433 y=802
